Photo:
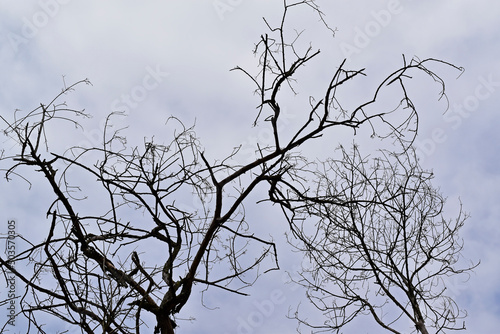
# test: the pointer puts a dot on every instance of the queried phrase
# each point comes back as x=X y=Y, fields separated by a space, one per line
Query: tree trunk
x=421 y=327
x=164 y=325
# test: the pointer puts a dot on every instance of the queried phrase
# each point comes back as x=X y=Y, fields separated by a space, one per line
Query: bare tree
x=94 y=268
x=380 y=245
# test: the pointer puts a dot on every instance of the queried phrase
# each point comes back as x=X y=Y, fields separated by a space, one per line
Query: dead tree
x=377 y=242
x=94 y=268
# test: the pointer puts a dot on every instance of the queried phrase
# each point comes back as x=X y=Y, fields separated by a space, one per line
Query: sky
x=159 y=58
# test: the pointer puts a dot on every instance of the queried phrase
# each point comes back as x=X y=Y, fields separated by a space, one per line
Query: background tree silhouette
x=377 y=242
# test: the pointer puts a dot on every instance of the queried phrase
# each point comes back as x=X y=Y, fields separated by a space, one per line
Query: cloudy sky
x=159 y=58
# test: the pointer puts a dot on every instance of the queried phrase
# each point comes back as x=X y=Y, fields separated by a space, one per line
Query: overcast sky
x=154 y=59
